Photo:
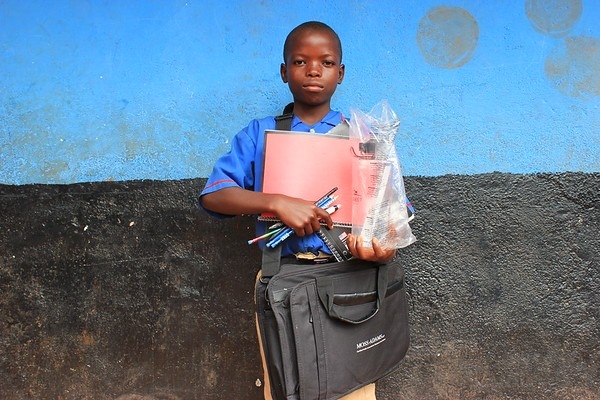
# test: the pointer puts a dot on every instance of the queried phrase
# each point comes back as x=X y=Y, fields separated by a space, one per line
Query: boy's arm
x=300 y=215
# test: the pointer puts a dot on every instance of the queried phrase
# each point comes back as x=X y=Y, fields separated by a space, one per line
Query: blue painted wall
x=104 y=90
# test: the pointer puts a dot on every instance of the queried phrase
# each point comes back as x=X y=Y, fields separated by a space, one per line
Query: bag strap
x=283 y=122
x=271 y=257
x=271 y=263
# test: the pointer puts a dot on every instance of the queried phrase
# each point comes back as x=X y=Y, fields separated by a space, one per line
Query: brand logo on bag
x=368 y=344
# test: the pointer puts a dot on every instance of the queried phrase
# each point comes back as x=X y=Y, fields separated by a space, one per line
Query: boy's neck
x=311 y=115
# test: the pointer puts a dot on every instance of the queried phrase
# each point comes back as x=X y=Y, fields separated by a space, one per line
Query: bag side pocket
x=309 y=342
x=270 y=341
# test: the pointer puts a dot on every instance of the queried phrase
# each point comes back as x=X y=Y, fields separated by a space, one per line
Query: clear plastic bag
x=380 y=206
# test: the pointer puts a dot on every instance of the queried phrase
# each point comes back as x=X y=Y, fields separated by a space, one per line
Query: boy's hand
x=376 y=253
x=301 y=215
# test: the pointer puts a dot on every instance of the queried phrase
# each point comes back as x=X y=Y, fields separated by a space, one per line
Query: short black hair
x=309 y=26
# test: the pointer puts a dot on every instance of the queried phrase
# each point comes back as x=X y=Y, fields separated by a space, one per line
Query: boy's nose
x=314 y=69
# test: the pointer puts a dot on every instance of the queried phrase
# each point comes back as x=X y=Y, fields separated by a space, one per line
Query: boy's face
x=313 y=68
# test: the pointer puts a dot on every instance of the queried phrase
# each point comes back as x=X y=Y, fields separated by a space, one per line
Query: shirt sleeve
x=236 y=168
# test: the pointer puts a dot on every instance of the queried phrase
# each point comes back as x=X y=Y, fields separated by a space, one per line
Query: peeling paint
x=573 y=66
x=554 y=18
x=447 y=36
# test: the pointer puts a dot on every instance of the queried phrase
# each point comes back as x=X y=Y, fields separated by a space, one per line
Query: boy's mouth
x=313 y=87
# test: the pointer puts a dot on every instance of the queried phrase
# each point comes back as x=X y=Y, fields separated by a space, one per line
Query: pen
x=276 y=239
x=327 y=202
x=326 y=195
x=280 y=238
x=322 y=201
x=332 y=209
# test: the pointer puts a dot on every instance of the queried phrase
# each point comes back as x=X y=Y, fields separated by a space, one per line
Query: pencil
x=266 y=235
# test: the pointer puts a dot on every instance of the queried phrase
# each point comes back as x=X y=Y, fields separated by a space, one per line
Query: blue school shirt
x=242 y=167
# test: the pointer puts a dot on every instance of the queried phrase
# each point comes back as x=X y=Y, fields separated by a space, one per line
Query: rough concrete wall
x=102 y=90
x=126 y=289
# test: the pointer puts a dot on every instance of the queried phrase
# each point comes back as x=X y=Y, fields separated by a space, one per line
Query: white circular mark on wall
x=554 y=18
x=447 y=36
x=573 y=66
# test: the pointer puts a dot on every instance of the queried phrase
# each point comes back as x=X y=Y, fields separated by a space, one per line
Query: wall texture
x=102 y=90
x=114 y=285
x=125 y=289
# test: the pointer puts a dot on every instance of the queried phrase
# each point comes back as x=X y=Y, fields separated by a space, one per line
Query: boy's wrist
x=270 y=203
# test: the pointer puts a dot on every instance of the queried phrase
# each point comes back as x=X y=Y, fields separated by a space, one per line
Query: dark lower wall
x=127 y=289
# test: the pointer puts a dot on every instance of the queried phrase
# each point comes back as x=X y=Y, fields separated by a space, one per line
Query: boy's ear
x=283 y=72
x=341 y=73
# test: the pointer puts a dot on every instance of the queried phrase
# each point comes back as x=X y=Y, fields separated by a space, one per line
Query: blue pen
x=280 y=238
x=280 y=233
x=326 y=195
x=327 y=202
x=276 y=239
x=322 y=201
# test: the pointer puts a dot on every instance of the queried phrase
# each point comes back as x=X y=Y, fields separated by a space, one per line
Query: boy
x=312 y=68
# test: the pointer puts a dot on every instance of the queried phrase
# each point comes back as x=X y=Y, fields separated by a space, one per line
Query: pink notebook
x=308 y=165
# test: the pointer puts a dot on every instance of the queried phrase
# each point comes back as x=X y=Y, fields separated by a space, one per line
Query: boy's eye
x=329 y=63
x=299 y=62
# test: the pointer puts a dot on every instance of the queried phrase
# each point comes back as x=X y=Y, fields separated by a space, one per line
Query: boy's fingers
x=376 y=248
x=356 y=250
x=360 y=250
x=315 y=225
x=325 y=217
x=374 y=253
x=300 y=232
x=351 y=243
x=381 y=253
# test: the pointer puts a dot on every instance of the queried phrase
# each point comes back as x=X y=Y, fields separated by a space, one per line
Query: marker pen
x=332 y=209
